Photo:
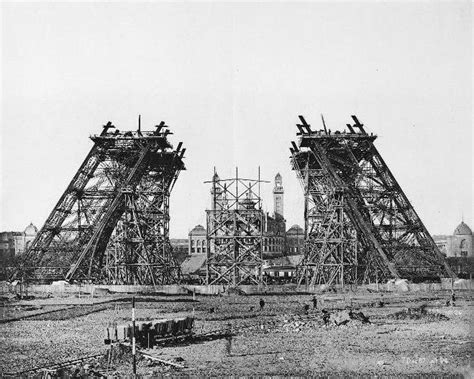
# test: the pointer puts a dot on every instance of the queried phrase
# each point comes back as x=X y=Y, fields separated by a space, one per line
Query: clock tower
x=278 y=198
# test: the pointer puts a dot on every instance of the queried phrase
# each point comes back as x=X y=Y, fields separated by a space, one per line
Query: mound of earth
x=418 y=313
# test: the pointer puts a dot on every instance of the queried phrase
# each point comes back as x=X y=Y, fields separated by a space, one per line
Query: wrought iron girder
x=375 y=205
x=94 y=206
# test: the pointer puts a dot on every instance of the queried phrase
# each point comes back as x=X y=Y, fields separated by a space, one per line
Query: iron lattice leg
x=359 y=225
x=111 y=225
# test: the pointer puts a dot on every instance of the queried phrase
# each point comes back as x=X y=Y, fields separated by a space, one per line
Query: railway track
x=51 y=369
x=228 y=331
x=66 y=313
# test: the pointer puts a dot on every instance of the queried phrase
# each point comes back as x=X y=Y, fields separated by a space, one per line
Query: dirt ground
x=282 y=339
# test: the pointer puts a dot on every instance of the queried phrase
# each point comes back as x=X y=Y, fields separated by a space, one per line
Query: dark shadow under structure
x=111 y=224
x=359 y=225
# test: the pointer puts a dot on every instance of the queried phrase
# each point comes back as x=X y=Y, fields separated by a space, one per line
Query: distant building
x=441 y=241
x=295 y=240
x=15 y=243
x=277 y=242
x=461 y=242
x=274 y=230
x=282 y=269
x=197 y=240
x=278 y=197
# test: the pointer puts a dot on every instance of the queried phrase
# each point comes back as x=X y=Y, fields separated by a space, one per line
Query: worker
x=326 y=317
x=306 y=309
x=453 y=299
x=262 y=304
x=315 y=302
x=229 y=339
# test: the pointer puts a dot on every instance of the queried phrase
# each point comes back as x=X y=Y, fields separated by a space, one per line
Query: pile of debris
x=349 y=316
x=324 y=319
x=299 y=325
x=418 y=313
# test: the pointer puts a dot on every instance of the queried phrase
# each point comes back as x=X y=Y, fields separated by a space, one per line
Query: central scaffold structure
x=235 y=226
x=359 y=225
x=111 y=224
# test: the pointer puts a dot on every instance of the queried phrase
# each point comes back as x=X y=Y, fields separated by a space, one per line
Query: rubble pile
x=296 y=323
x=418 y=313
x=299 y=325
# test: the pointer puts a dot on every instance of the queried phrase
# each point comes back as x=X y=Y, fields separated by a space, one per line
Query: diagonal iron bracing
x=235 y=232
x=111 y=224
x=359 y=225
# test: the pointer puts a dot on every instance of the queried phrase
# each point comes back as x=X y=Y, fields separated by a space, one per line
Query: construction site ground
x=281 y=339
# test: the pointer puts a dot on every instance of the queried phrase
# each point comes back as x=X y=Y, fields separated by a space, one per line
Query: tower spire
x=278 y=193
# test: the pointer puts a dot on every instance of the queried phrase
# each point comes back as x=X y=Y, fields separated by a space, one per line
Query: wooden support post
x=134 y=350
x=194 y=298
x=229 y=339
x=21 y=287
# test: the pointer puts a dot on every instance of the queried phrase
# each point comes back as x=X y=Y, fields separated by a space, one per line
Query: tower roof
x=198 y=230
x=31 y=229
x=462 y=230
x=295 y=229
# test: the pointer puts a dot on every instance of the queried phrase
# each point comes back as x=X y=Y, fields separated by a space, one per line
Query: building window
x=463 y=248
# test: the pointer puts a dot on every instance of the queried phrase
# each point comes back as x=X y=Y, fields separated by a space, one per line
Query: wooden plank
x=177 y=365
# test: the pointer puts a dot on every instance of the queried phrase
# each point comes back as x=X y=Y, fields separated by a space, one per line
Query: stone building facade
x=295 y=240
x=461 y=242
x=197 y=243
x=274 y=229
x=276 y=240
x=13 y=244
x=278 y=193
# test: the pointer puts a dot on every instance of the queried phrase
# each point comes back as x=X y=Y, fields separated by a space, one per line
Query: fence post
x=133 y=339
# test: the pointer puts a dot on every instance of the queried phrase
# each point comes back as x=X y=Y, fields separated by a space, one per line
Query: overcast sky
x=231 y=79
